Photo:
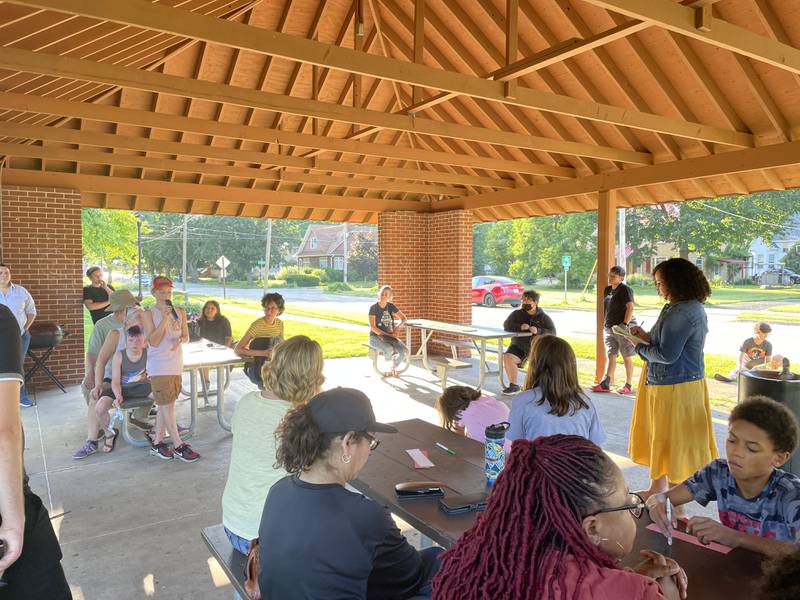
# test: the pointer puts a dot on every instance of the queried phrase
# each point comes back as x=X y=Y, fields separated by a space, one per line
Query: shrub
x=640 y=279
x=718 y=282
x=332 y=276
x=192 y=309
x=338 y=286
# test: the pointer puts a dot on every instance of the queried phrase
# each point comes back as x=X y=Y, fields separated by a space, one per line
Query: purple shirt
x=485 y=411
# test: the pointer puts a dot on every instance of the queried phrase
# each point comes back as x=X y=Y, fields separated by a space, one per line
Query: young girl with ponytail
x=558 y=522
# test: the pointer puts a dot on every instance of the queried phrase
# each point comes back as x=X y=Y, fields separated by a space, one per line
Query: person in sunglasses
x=320 y=541
x=558 y=523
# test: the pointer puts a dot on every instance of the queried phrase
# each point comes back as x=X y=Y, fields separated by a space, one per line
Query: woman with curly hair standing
x=671 y=428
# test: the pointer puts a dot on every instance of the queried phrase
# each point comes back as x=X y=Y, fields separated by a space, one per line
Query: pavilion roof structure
x=338 y=110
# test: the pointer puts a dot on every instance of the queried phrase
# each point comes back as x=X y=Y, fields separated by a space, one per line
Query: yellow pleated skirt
x=671 y=429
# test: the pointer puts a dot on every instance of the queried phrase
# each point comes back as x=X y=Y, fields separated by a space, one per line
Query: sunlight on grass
x=771 y=317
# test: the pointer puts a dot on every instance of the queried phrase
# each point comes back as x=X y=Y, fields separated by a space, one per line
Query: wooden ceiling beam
x=738 y=161
x=215 y=193
x=205 y=168
x=60 y=66
x=236 y=35
x=107 y=140
x=112 y=114
x=681 y=19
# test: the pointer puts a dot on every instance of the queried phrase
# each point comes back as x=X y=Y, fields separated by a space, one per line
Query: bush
x=640 y=279
x=718 y=282
x=193 y=309
x=332 y=276
x=338 y=286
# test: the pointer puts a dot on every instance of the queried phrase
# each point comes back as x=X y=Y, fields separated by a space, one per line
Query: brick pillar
x=42 y=246
x=427 y=259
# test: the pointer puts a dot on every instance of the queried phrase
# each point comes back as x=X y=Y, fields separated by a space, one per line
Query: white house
x=769 y=257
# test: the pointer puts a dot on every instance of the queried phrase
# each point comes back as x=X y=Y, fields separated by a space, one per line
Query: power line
x=725 y=212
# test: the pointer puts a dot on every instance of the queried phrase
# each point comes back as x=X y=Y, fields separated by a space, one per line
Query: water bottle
x=117 y=415
x=495 y=451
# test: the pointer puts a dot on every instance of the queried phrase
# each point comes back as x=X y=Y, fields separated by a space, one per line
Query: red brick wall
x=427 y=259
x=42 y=247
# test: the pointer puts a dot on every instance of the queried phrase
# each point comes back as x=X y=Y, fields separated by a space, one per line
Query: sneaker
x=512 y=389
x=625 y=390
x=722 y=378
x=185 y=453
x=603 y=387
x=140 y=425
x=25 y=402
x=89 y=448
x=161 y=451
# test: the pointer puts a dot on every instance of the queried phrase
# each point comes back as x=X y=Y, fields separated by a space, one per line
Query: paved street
x=725 y=331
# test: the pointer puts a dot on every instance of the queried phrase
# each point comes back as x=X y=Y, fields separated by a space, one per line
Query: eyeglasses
x=373 y=441
x=636 y=507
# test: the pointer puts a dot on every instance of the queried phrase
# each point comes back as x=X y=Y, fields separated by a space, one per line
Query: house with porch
x=323 y=245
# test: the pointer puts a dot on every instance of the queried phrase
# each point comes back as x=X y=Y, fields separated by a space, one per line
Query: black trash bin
x=781 y=387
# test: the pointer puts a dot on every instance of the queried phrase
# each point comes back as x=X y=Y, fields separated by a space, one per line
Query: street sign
x=223 y=262
x=566 y=261
x=261 y=262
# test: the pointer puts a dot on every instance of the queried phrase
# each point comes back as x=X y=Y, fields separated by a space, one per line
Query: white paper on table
x=420 y=460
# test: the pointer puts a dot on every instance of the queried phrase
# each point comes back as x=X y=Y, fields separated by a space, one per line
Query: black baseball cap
x=345 y=409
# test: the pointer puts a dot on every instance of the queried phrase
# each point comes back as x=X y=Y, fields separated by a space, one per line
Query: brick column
x=427 y=259
x=42 y=246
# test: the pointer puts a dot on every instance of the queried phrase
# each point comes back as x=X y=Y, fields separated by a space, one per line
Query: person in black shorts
x=34 y=573
x=618 y=308
x=96 y=294
x=528 y=317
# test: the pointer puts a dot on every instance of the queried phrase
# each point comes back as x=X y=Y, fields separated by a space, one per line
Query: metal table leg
x=500 y=363
x=193 y=399
x=482 y=363
x=225 y=424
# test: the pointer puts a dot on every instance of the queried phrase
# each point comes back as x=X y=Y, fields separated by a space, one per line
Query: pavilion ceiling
x=341 y=109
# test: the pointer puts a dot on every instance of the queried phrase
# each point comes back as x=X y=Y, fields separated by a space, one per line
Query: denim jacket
x=675 y=352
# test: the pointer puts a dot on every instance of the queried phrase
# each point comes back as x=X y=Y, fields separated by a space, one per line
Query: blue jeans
x=240 y=545
x=431 y=562
x=26 y=341
x=389 y=345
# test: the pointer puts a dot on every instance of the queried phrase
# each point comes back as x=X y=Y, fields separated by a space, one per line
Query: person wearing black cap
x=320 y=541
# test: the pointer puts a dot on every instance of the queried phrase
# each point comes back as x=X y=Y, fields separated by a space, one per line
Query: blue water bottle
x=495 y=451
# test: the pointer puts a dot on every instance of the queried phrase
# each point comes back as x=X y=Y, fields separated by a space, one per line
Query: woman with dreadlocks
x=558 y=522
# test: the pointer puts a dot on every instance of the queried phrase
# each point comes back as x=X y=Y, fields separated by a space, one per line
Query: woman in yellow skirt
x=671 y=427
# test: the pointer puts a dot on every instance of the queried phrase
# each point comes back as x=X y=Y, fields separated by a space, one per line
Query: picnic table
x=477 y=335
x=712 y=575
x=203 y=354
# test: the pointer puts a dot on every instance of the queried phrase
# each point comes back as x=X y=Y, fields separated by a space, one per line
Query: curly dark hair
x=781 y=579
x=683 y=280
x=276 y=298
x=774 y=418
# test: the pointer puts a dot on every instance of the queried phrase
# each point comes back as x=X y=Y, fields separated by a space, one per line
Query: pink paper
x=420 y=458
x=682 y=535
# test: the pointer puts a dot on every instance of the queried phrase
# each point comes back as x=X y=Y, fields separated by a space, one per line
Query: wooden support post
x=419 y=42
x=606 y=234
x=512 y=43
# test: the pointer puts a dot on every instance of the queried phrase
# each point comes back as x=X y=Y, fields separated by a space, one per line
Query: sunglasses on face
x=635 y=506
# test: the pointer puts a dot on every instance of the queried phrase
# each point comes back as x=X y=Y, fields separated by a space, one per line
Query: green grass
x=771 y=317
x=298 y=311
x=646 y=297
x=786 y=308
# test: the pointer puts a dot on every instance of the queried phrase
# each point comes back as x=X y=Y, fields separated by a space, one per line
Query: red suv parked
x=490 y=290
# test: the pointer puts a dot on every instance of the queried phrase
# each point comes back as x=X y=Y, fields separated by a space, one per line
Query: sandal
x=110 y=442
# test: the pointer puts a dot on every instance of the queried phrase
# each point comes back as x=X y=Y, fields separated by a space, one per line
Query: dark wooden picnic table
x=712 y=575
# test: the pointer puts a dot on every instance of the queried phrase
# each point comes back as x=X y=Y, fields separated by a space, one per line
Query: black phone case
x=429 y=492
x=456 y=505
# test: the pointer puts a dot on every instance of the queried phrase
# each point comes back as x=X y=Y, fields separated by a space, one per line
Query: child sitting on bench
x=758 y=502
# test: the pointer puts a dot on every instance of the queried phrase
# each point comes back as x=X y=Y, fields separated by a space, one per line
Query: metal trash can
x=781 y=387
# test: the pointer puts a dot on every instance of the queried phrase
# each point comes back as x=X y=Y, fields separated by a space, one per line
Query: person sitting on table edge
x=557 y=524
x=528 y=317
x=262 y=336
x=755 y=352
x=759 y=504
x=318 y=539
x=382 y=328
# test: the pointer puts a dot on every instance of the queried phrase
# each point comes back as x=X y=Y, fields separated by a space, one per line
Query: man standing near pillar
x=96 y=294
x=618 y=308
x=21 y=304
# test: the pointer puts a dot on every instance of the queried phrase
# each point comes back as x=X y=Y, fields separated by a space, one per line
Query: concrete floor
x=129 y=524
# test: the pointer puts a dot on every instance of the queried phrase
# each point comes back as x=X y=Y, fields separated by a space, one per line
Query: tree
x=109 y=237
x=363 y=255
x=792 y=258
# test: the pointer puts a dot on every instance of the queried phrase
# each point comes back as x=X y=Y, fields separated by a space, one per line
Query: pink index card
x=682 y=535
x=420 y=458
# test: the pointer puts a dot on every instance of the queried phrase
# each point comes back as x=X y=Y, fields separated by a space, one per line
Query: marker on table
x=669 y=522
x=445 y=448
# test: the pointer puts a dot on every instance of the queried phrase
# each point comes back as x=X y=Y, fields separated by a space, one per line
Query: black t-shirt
x=615 y=301
x=96 y=294
x=10 y=355
x=217 y=330
x=384 y=317
x=539 y=319
x=756 y=353
x=322 y=542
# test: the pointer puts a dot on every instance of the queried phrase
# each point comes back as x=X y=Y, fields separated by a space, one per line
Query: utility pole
x=183 y=271
x=266 y=255
x=344 y=248
x=623 y=244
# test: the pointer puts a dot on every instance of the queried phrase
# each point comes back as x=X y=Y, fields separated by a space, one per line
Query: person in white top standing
x=166 y=329
x=20 y=302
